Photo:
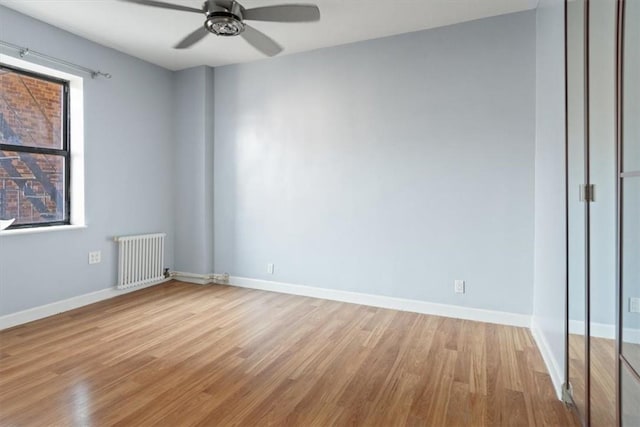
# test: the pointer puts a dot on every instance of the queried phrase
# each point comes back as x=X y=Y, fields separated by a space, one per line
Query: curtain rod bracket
x=96 y=74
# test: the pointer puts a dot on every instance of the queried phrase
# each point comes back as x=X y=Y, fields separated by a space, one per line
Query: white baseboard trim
x=416 y=306
x=598 y=330
x=552 y=366
x=604 y=330
x=36 y=313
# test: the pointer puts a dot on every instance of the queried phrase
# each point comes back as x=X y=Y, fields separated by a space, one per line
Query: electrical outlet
x=95 y=257
x=270 y=268
x=634 y=305
x=459 y=286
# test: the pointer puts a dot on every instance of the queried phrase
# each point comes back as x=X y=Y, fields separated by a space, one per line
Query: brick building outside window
x=34 y=149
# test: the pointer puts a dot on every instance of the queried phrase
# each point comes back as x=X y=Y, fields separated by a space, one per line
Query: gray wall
x=129 y=172
x=550 y=259
x=193 y=151
x=388 y=167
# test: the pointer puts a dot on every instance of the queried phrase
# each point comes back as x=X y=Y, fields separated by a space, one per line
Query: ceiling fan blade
x=260 y=41
x=192 y=38
x=164 y=5
x=284 y=13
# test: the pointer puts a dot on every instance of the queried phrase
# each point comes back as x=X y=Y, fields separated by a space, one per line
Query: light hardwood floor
x=603 y=380
x=180 y=354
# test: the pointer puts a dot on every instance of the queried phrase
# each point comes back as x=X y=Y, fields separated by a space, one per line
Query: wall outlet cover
x=459 y=286
x=634 y=305
x=270 y=268
x=95 y=257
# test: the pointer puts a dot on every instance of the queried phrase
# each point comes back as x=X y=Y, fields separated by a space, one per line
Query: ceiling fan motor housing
x=223 y=20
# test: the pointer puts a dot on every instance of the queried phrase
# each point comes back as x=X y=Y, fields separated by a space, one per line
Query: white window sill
x=35 y=230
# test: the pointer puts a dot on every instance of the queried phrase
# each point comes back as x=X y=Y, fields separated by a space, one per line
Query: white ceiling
x=149 y=33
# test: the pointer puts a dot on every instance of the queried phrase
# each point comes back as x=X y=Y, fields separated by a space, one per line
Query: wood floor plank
x=186 y=355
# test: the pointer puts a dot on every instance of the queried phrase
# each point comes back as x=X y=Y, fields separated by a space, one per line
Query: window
x=35 y=156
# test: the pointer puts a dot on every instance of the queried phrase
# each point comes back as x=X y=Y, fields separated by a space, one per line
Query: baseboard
x=416 y=306
x=604 y=330
x=598 y=330
x=552 y=366
x=36 y=313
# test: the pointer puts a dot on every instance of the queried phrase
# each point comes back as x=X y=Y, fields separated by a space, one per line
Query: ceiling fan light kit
x=226 y=18
x=223 y=22
x=222 y=25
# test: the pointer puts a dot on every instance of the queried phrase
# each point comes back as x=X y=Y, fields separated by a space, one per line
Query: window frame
x=64 y=152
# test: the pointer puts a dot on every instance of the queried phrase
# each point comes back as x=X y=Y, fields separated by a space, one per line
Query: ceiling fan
x=226 y=18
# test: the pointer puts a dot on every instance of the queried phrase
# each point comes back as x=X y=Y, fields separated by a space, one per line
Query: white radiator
x=140 y=259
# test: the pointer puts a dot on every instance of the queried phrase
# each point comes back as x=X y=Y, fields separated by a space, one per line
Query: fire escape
x=27 y=190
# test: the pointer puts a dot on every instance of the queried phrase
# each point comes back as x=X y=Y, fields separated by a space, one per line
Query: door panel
x=602 y=212
x=576 y=213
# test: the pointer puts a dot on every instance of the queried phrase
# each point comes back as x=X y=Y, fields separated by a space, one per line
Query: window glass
x=34 y=151
x=31 y=110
